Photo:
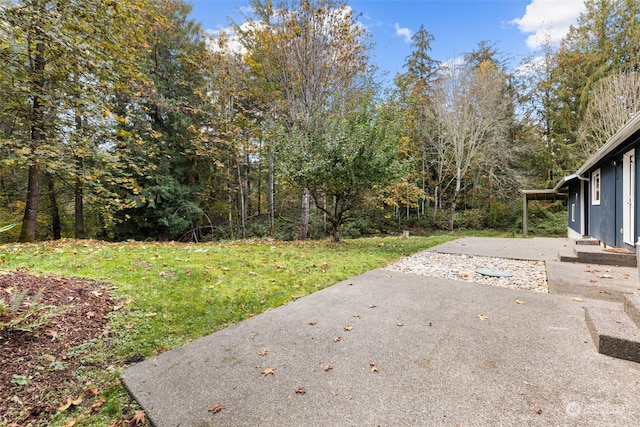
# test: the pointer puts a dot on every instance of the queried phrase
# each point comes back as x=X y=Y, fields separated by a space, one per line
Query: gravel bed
x=526 y=275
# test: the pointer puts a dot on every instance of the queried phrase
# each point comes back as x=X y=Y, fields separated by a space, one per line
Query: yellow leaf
x=268 y=371
x=518 y=301
x=348 y=328
x=66 y=405
x=482 y=316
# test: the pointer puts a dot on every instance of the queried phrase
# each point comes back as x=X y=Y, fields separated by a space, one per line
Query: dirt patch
x=40 y=367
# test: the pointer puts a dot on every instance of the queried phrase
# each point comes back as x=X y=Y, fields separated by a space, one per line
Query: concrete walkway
x=420 y=351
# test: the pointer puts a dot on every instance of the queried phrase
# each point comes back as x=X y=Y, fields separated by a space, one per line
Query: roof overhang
x=546 y=194
x=567 y=179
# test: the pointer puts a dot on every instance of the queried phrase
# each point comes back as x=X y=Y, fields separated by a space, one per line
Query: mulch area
x=38 y=375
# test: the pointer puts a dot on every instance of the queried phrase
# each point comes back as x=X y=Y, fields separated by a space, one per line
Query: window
x=595 y=187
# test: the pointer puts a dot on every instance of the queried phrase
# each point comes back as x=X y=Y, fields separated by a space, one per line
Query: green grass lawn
x=169 y=293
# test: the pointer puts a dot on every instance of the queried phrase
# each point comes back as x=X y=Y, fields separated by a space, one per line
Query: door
x=628 y=196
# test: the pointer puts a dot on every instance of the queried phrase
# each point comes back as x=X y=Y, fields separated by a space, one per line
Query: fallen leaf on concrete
x=336 y=339
x=216 y=408
x=576 y=299
x=373 y=367
x=399 y=324
x=356 y=315
x=313 y=322
x=593 y=281
x=519 y=301
x=482 y=316
x=348 y=328
x=300 y=390
x=538 y=411
x=328 y=368
x=372 y=306
x=263 y=352
x=268 y=371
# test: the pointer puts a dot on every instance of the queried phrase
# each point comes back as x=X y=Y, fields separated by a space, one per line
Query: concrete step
x=613 y=332
x=588 y=241
x=632 y=307
x=589 y=254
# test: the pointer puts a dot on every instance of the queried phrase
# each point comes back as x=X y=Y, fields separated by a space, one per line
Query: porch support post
x=525 y=215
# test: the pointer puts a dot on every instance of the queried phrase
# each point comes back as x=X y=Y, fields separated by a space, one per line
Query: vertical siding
x=575 y=207
x=603 y=216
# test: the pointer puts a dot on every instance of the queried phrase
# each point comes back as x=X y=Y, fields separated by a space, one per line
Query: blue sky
x=515 y=26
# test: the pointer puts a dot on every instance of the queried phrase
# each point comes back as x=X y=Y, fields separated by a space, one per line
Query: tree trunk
x=271 y=195
x=243 y=207
x=28 y=231
x=304 y=216
x=78 y=190
x=455 y=197
x=56 y=228
x=78 y=193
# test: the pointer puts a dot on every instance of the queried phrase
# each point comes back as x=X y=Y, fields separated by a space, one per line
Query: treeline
x=125 y=120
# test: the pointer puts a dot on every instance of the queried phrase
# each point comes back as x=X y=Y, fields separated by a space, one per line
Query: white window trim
x=596 y=187
x=573 y=212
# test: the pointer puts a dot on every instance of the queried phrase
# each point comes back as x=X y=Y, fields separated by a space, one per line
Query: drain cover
x=493 y=273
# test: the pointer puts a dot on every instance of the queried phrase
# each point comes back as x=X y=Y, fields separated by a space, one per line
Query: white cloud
x=403 y=32
x=548 y=20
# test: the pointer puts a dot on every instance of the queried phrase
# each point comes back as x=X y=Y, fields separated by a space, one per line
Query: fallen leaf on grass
x=373 y=367
x=71 y=423
x=138 y=419
x=94 y=391
x=482 y=316
x=70 y=402
x=348 y=328
x=268 y=371
x=216 y=408
x=98 y=403
x=300 y=390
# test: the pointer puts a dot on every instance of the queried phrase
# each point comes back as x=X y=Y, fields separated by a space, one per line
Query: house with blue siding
x=602 y=194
